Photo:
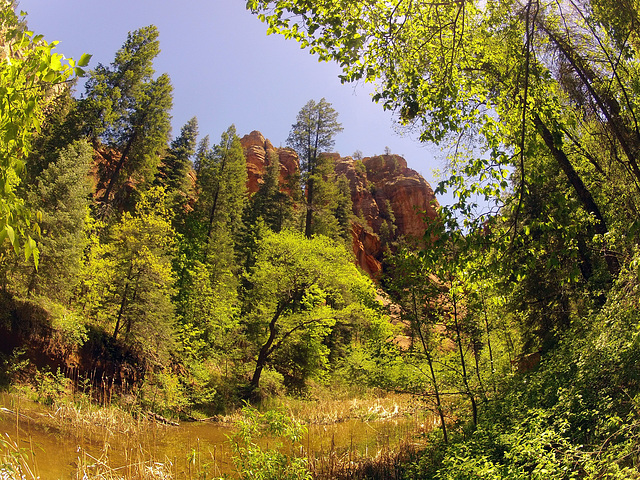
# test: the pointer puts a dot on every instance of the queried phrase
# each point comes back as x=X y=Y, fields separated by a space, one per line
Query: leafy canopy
x=32 y=74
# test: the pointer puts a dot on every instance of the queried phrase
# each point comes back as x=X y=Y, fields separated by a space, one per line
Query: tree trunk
x=434 y=381
x=116 y=172
x=123 y=302
x=578 y=185
x=607 y=104
x=486 y=324
x=463 y=364
x=265 y=351
x=308 y=230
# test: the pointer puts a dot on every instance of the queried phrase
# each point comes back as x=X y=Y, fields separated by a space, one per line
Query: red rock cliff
x=377 y=183
x=258 y=150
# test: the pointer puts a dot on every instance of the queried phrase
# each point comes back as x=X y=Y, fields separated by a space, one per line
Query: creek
x=58 y=445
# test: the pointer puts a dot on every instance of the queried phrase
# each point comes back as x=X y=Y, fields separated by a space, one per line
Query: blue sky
x=225 y=69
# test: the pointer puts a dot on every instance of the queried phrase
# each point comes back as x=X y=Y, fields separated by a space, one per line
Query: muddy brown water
x=56 y=450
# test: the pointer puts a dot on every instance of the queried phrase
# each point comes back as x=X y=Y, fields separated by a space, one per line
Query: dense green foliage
x=538 y=104
x=158 y=270
x=34 y=76
x=312 y=134
x=514 y=321
x=275 y=463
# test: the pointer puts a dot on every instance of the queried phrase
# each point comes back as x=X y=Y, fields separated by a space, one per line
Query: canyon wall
x=383 y=189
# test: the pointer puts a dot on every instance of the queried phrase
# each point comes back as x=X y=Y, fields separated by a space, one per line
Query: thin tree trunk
x=607 y=105
x=431 y=369
x=263 y=356
x=578 y=185
x=123 y=302
x=116 y=172
x=486 y=324
x=308 y=230
x=463 y=364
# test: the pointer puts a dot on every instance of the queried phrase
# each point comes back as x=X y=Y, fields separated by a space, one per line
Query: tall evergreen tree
x=270 y=203
x=204 y=146
x=128 y=110
x=222 y=186
x=62 y=194
x=313 y=133
x=172 y=172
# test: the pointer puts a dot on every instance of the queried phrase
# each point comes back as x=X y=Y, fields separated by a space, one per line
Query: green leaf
x=28 y=248
x=10 y=233
x=11 y=132
x=84 y=60
x=56 y=62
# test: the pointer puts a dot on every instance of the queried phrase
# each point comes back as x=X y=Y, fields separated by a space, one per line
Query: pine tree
x=222 y=185
x=127 y=110
x=313 y=133
x=270 y=203
x=203 y=147
x=62 y=194
x=172 y=173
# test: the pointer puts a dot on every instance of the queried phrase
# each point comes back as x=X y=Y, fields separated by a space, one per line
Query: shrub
x=255 y=463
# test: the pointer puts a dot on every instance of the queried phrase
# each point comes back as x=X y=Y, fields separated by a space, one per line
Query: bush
x=50 y=386
x=255 y=463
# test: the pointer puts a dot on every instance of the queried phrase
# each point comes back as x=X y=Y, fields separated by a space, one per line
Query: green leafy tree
x=299 y=286
x=31 y=72
x=128 y=282
x=539 y=104
x=209 y=312
x=516 y=79
x=313 y=133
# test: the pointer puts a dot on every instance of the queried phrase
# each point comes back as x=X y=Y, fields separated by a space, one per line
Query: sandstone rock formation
x=258 y=150
x=383 y=189
x=386 y=178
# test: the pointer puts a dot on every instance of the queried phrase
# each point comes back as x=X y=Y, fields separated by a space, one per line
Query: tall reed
x=387 y=464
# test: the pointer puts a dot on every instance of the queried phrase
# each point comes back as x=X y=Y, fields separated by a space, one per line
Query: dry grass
x=92 y=468
x=16 y=462
x=325 y=407
x=387 y=464
x=107 y=426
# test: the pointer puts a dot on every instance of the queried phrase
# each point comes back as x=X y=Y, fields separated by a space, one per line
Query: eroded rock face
x=383 y=189
x=258 y=151
x=366 y=245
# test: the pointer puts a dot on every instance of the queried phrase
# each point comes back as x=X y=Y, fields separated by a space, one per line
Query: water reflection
x=57 y=449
